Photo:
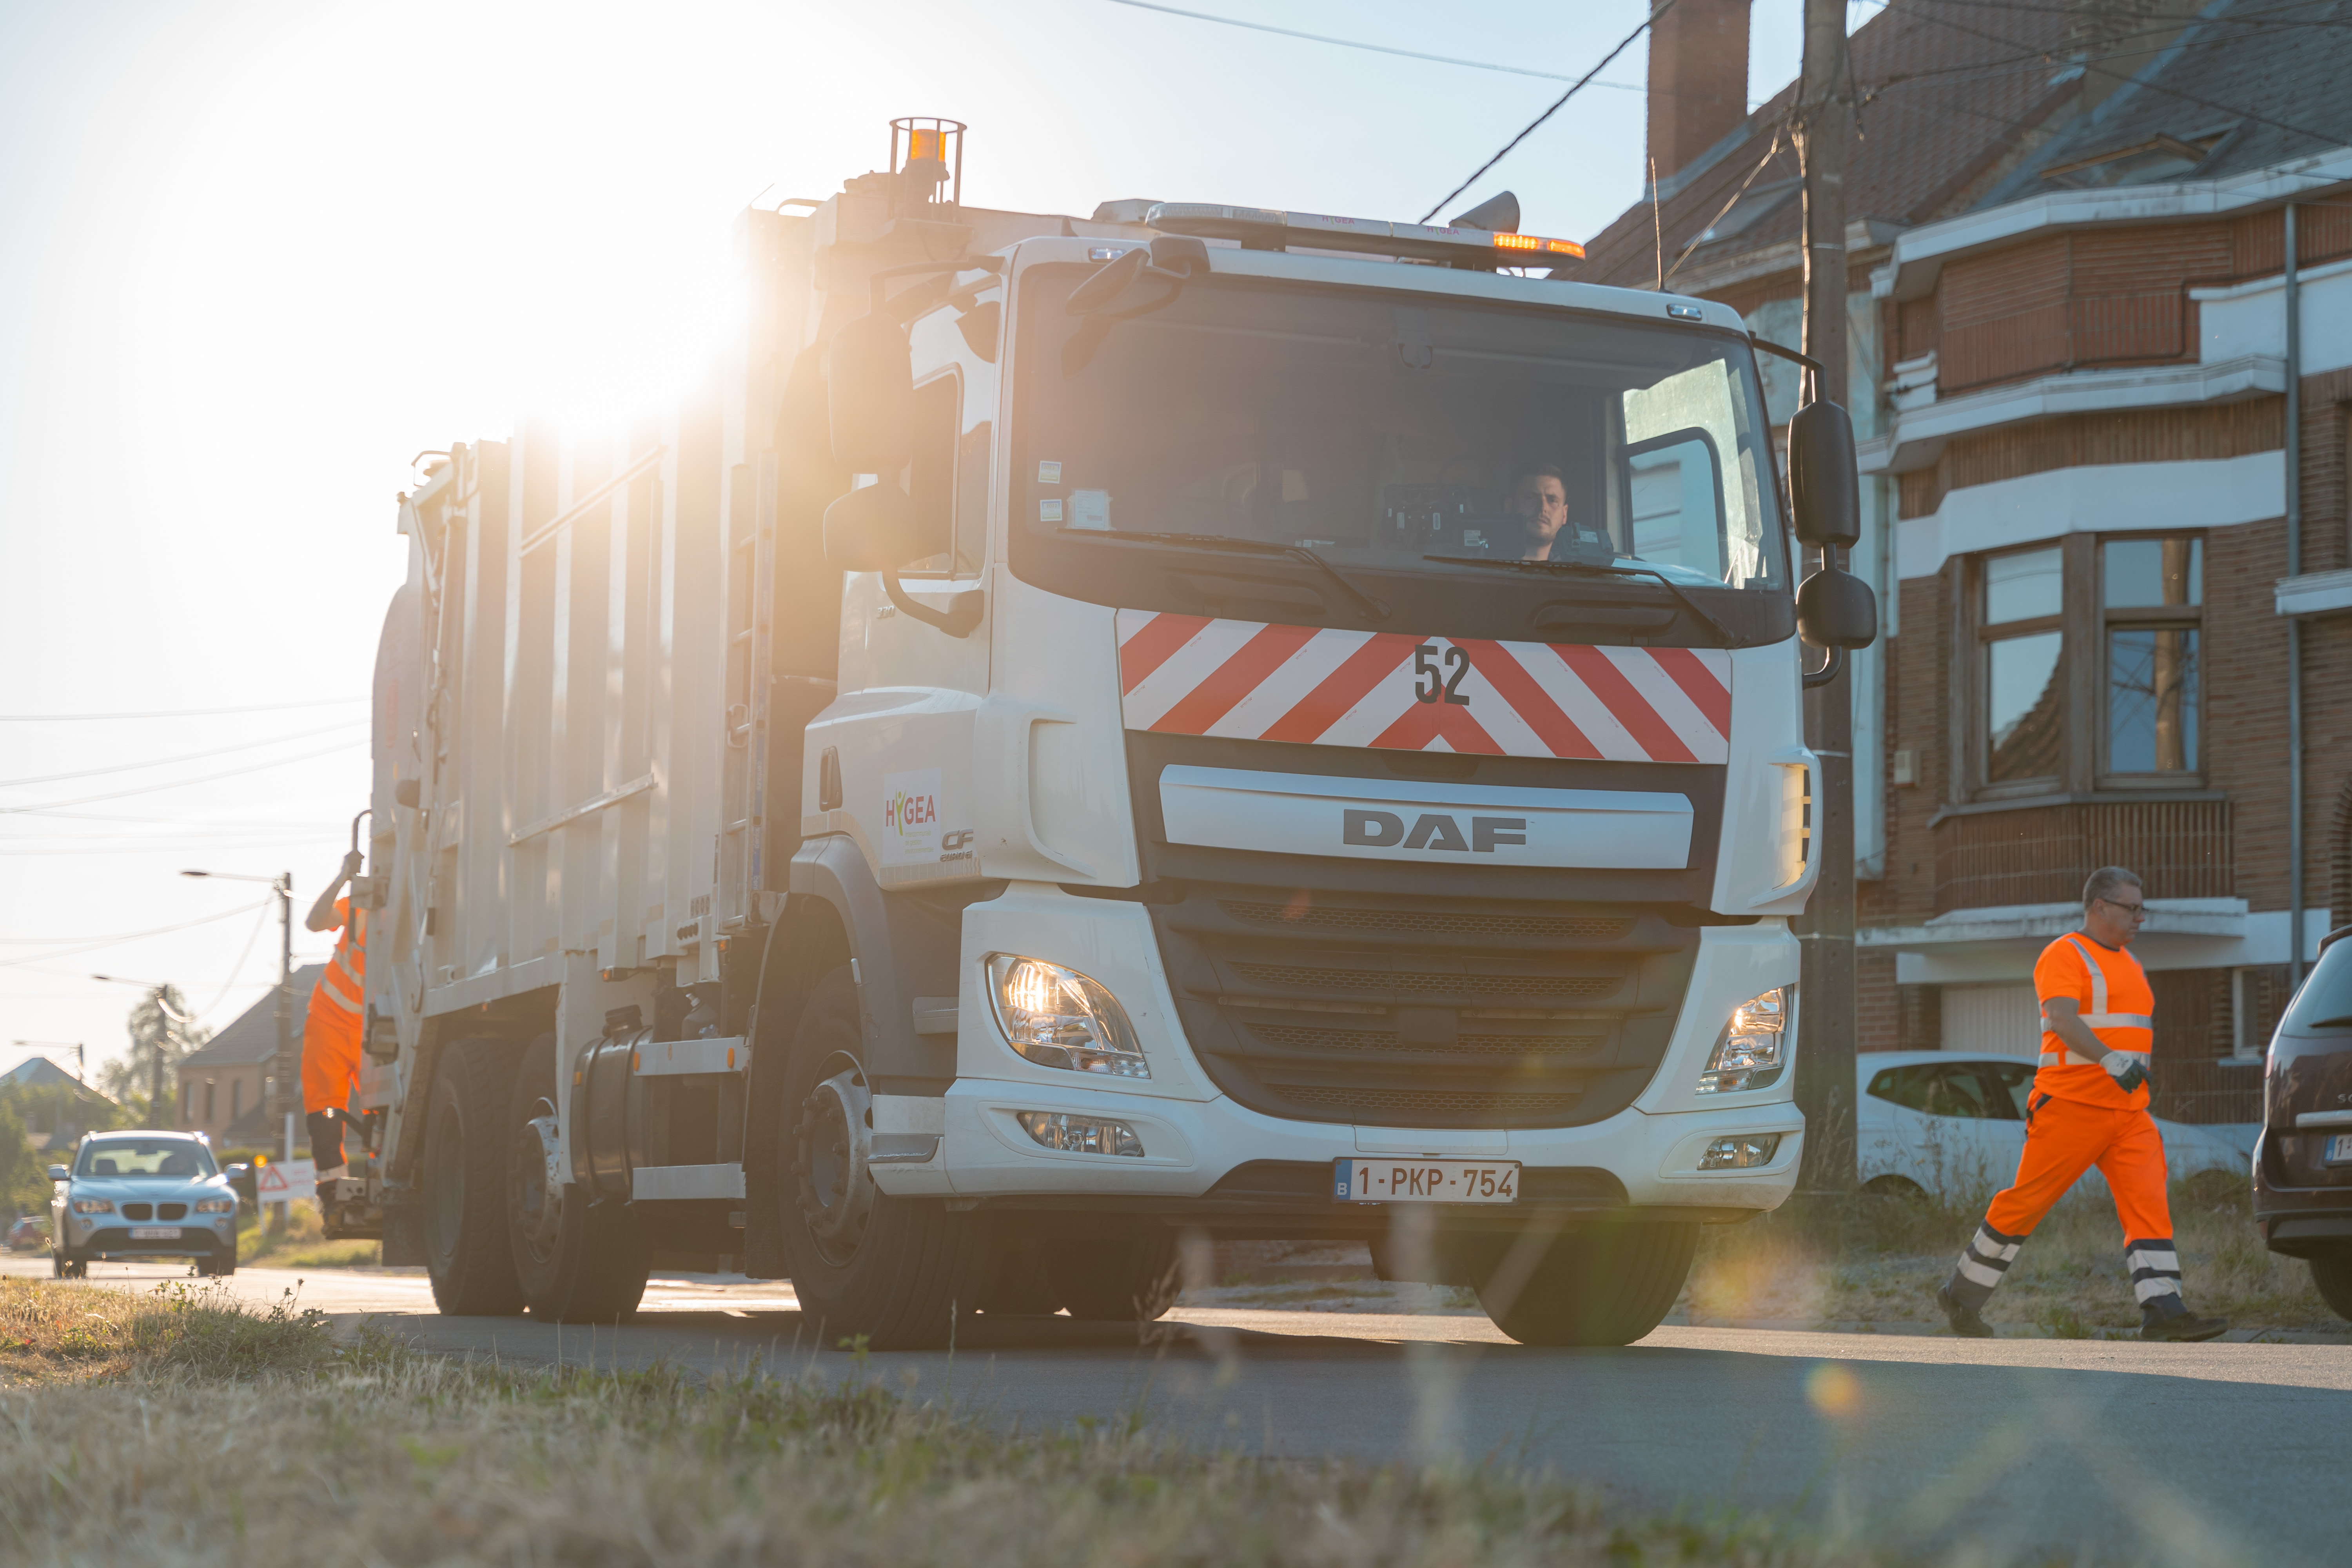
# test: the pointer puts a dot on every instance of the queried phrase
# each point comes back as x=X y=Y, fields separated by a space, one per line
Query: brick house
x=2070 y=375
x=225 y=1083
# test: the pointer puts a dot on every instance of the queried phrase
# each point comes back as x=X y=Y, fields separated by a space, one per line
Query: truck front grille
x=1423 y=1012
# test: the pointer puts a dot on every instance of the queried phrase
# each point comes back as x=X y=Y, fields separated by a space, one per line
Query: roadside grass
x=175 y=1427
x=301 y=1244
x=1879 y=1259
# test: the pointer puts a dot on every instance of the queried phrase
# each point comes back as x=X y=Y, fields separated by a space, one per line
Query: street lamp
x=81 y=1057
x=283 y=886
x=155 y=990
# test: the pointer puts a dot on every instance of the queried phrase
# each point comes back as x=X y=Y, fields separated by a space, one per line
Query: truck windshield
x=1400 y=439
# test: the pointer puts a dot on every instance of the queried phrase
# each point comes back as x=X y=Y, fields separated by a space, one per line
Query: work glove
x=2126 y=1068
x=353 y=863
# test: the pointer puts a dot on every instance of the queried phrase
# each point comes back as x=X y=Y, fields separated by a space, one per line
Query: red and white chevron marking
x=1186 y=675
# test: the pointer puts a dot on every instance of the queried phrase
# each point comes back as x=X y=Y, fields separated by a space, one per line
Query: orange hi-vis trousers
x=2063 y=1138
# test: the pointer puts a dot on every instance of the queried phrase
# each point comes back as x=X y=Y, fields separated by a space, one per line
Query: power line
x=1374 y=49
x=97 y=942
x=175 y=712
x=1556 y=105
x=184 y=757
x=176 y=783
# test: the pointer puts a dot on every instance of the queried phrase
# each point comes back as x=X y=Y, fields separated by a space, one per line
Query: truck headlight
x=1749 y=1054
x=1058 y=1018
x=93 y=1205
x=216 y=1205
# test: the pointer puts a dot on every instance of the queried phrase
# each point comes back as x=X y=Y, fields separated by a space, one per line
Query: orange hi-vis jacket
x=2111 y=996
x=341 y=985
x=330 y=1030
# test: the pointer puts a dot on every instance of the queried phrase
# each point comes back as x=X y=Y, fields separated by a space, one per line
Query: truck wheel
x=1607 y=1286
x=576 y=1262
x=1131 y=1280
x=2332 y=1273
x=464 y=1186
x=893 y=1272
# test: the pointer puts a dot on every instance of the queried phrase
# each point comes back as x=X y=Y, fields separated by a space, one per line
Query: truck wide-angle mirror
x=870 y=394
x=1824 y=486
x=873 y=530
x=1836 y=610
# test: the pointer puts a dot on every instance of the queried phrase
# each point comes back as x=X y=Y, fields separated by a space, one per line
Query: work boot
x=1963 y=1317
x=2177 y=1323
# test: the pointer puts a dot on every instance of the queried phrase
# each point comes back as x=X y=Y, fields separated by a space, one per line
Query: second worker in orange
x=2089 y=1107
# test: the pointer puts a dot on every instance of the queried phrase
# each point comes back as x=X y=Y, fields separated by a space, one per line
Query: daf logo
x=957 y=840
x=1430 y=830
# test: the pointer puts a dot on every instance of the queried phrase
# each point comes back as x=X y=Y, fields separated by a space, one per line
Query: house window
x=2085 y=667
x=2024 y=660
x=2152 y=591
x=235 y=1099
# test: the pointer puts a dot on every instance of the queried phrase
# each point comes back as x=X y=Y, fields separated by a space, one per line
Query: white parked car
x=1953 y=1125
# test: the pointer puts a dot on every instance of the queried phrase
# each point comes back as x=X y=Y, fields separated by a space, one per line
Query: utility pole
x=1825 y=993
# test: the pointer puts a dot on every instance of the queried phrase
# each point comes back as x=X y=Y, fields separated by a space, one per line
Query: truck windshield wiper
x=1692 y=605
x=1377 y=608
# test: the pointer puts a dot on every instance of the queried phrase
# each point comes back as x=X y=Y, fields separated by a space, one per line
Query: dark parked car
x=2302 y=1166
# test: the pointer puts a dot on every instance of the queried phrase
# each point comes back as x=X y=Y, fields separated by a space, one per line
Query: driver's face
x=1543 y=502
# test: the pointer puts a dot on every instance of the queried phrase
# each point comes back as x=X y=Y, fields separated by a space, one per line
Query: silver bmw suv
x=142 y=1194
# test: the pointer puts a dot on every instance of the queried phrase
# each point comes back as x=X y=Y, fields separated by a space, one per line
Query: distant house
x=60 y=1120
x=225 y=1085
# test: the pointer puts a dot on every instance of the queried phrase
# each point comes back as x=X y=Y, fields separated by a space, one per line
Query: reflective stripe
x=346 y=1003
x=2098 y=977
x=1977 y=1273
x=2058 y=1059
x=2117 y=1021
x=2146 y=1290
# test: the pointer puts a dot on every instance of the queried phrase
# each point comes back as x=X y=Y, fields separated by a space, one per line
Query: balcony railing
x=2043 y=855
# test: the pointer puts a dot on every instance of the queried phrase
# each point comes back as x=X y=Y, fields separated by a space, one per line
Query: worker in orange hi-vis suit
x=2089 y=1107
x=331 y=1032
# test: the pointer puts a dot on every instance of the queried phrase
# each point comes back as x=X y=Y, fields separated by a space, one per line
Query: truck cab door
x=901 y=726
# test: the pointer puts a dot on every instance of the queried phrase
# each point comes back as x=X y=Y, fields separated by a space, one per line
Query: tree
x=162 y=1032
x=23 y=1184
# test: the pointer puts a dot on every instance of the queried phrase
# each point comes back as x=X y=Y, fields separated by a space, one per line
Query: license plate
x=1425 y=1181
x=154 y=1232
x=2339 y=1149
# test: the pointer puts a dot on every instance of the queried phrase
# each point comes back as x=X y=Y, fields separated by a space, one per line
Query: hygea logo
x=905 y=813
x=1431 y=830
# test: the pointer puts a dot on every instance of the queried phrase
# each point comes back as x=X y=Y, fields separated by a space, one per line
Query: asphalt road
x=2018 y=1449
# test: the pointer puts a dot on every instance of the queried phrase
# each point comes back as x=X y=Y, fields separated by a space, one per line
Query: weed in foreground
x=368 y=1452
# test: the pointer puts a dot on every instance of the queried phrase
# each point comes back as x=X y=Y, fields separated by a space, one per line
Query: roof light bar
x=1264 y=228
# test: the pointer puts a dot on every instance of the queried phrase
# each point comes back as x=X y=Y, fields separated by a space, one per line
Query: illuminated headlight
x=1080 y=1134
x=1748 y=1053
x=1058 y=1019
x=216 y=1205
x=1740 y=1153
x=93 y=1205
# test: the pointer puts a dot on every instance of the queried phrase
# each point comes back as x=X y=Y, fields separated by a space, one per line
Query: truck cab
x=1197 y=723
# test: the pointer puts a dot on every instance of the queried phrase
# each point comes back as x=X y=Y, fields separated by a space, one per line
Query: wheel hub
x=535 y=1180
x=834 y=1138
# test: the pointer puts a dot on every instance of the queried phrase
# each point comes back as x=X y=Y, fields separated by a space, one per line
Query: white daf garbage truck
x=1196 y=721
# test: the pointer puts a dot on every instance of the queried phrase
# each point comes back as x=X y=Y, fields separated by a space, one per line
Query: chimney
x=1698 y=80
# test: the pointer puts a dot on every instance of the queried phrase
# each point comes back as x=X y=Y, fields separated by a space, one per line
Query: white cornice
x=2312 y=593
x=1921 y=432
x=1920 y=253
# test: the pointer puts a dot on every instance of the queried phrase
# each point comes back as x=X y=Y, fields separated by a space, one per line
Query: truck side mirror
x=873 y=530
x=1824 y=488
x=870 y=395
x=1836 y=610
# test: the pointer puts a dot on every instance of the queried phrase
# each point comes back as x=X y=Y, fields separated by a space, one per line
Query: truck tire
x=467 y=1254
x=1606 y=1286
x=892 y=1272
x=2331 y=1272
x=1131 y=1280
x=574 y=1261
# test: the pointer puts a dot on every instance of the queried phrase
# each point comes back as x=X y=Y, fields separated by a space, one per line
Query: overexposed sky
x=255 y=256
